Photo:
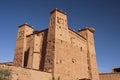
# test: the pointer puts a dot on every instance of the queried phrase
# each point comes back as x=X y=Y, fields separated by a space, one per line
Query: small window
x=88 y=68
x=61 y=41
x=81 y=49
x=53 y=41
x=73 y=60
x=60 y=27
x=49 y=40
x=60 y=34
x=48 y=61
x=42 y=34
x=60 y=61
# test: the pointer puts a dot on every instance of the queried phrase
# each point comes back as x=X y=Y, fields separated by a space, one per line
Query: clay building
x=57 y=50
x=114 y=75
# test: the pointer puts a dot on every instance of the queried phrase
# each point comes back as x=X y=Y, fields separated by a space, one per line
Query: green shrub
x=5 y=74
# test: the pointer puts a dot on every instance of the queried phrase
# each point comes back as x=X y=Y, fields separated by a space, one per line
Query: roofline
x=77 y=33
x=110 y=73
x=88 y=28
x=116 y=68
x=26 y=25
x=38 y=31
x=58 y=11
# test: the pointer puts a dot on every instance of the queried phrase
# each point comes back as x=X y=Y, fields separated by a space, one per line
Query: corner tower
x=23 y=31
x=88 y=33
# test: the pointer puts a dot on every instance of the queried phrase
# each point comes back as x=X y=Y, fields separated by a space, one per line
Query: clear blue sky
x=103 y=15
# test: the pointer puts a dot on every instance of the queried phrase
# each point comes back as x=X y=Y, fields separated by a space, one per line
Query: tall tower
x=23 y=31
x=57 y=32
x=91 y=55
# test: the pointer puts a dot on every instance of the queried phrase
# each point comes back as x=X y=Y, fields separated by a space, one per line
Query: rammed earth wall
x=19 y=73
x=109 y=76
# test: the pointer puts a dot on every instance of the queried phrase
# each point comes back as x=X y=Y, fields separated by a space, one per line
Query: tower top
x=26 y=24
x=56 y=9
x=88 y=28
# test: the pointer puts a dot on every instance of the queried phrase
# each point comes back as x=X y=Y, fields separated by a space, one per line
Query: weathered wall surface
x=59 y=50
x=71 y=58
x=109 y=76
x=67 y=51
x=36 y=47
x=19 y=73
x=23 y=31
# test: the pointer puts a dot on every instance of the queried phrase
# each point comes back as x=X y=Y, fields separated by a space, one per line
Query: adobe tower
x=66 y=54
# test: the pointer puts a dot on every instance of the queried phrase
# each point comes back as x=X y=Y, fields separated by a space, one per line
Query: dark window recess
x=61 y=41
x=60 y=61
x=37 y=34
x=73 y=60
x=81 y=49
x=26 y=58
x=88 y=68
x=49 y=40
x=49 y=61
x=53 y=41
x=42 y=34
x=60 y=27
x=60 y=34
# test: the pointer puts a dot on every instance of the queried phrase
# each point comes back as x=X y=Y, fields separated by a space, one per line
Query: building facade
x=58 y=50
x=114 y=75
